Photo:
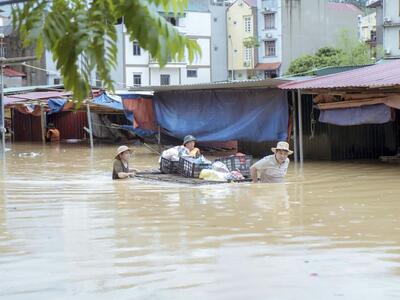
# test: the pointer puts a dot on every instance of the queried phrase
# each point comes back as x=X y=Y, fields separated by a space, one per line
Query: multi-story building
x=367 y=30
x=241 y=25
x=142 y=70
x=219 y=47
x=288 y=29
x=387 y=26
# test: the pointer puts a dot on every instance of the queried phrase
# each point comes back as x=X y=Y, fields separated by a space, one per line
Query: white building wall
x=173 y=72
x=131 y=59
x=196 y=24
x=205 y=59
x=203 y=75
x=391 y=33
x=143 y=71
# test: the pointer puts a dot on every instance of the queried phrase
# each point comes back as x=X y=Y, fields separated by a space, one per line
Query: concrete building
x=143 y=70
x=288 y=29
x=219 y=46
x=367 y=28
x=387 y=26
x=242 y=25
x=367 y=31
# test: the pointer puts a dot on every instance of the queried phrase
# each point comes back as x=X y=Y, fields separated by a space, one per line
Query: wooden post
x=159 y=139
x=300 y=127
x=90 y=125
x=43 y=122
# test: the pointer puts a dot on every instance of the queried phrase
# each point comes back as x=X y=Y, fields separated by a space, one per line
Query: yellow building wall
x=236 y=34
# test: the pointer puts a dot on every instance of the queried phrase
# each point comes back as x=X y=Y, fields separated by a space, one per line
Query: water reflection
x=67 y=230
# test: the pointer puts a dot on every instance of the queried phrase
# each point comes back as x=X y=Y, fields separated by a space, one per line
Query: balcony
x=153 y=62
x=269 y=5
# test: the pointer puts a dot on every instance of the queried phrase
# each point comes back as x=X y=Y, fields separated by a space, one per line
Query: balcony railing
x=153 y=60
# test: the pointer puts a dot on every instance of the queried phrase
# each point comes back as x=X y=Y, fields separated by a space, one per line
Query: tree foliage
x=82 y=36
x=349 y=52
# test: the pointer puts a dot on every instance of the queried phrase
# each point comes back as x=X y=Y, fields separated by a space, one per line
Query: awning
x=268 y=66
x=374 y=114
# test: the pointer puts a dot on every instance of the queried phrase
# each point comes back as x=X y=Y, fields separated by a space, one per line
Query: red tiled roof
x=379 y=75
x=343 y=7
x=9 y=72
x=268 y=66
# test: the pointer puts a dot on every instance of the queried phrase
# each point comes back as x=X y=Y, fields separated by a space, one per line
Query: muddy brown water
x=67 y=231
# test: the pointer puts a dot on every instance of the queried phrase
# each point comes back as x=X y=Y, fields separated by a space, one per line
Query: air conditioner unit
x=387 y=51
x=268 y=35
x=387 y=19
x=267 y=8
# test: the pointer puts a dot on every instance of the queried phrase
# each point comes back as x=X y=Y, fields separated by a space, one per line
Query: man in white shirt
x=272 y=168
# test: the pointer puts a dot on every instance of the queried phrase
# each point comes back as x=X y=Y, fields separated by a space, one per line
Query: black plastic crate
x=241 y=163
x=168 y=166
x=189 y=168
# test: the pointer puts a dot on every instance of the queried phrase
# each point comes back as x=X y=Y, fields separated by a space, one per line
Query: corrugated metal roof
x=38 y=96
x=379 y=75
x=21 y=89
x=249 y=84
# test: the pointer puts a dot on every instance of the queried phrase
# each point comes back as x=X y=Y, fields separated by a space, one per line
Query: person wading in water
x=272 y=168
x=121 y=168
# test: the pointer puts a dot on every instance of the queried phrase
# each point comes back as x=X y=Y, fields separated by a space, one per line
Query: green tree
x=350 y=52
x=81 y=35
x=251 y=43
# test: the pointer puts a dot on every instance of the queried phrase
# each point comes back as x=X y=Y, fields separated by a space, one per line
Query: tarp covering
x=55 y=105
x=139 y=111
x=374 y=114
x=108 y=101
x=224 y=115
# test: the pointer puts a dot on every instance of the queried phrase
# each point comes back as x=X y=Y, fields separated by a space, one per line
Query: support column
x=90 y=125
x=43 y=122
x=300 y=127
x=294 y=113
x=2 y=120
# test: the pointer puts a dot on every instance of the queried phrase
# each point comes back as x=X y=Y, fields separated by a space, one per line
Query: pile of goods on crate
x=232 y=168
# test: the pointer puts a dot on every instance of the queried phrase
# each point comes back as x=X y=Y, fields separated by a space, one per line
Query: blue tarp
x=373 y=114
x=247 y=115
x=107 y=101
x=55 y=105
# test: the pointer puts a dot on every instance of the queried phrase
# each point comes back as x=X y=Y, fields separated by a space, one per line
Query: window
x=247 y=54
x=247 y=24
x=56 y=80
x=136 y=49
x=174 y=21
x=269 y=21
x=271 y=74
x=164 y=79
x=137 y=79
x=270 y=48
x=191 y=73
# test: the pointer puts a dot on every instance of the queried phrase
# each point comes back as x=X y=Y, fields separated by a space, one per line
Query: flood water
x=67 y=231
